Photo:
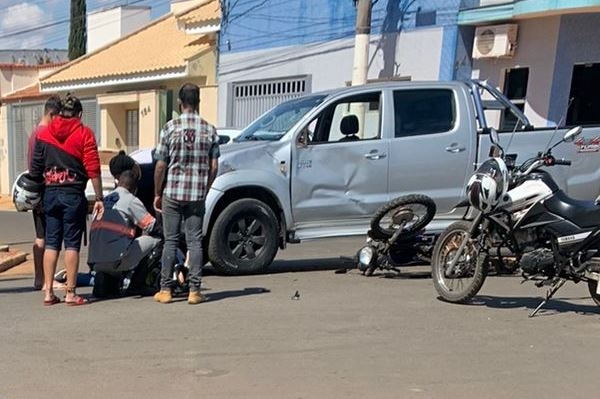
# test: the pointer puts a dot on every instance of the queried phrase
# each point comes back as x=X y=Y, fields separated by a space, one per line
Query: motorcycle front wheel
x=464 y=281
x=411 y=213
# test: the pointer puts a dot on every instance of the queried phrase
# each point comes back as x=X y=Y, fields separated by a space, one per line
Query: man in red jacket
x=66 y=156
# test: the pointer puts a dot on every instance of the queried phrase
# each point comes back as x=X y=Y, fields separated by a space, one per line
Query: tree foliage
x=78 y=30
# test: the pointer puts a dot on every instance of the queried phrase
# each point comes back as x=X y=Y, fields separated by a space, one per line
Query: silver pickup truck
x=320 y=165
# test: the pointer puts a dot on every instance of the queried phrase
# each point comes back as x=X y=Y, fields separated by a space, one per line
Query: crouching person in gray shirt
x=115 y=248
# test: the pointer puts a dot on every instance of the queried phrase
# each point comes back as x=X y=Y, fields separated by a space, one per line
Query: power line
x=60 y=21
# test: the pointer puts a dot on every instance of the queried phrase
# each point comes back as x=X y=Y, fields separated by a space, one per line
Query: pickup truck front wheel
x=244 y=238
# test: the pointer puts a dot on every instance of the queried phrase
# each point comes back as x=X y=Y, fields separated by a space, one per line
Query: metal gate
x=23 y=119
x=251 y=99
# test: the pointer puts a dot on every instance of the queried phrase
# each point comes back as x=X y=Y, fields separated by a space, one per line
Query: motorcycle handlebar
x=565 y=162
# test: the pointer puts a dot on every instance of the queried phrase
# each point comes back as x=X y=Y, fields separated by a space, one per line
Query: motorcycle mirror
x=495 y=151
x=494 y=138
x=572 y=133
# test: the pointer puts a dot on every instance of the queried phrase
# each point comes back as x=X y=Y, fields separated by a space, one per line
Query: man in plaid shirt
x=187 y=164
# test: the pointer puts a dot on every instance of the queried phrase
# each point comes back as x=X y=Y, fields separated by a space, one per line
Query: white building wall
x=536 y=48
x=133 y=18
x=108 y=25
x=328 y=64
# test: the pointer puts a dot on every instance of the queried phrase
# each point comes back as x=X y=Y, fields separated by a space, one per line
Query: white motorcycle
x=523 y=219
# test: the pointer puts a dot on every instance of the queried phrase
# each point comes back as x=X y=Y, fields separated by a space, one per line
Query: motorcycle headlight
x=366 y=255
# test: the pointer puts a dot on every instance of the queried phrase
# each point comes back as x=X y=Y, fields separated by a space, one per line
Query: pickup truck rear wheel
x=244 y=238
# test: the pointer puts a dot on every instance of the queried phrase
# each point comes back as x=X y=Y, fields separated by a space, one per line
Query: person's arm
x=213 y=156
x=36 y=170
x=161 y=154
x=91 y=163
x=141 y=217
x=160 y=171
x=212 y=173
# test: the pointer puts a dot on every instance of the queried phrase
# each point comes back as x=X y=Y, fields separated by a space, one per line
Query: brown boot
x=195 y=298
x=163 y=296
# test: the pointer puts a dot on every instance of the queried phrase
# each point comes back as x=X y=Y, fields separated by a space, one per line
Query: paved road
x=347 y=336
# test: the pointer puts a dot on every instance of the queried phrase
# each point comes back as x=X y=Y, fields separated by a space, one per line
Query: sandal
x=52 y=301
x=77 y=301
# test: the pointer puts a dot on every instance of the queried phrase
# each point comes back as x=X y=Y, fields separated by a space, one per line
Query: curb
x=16 y=259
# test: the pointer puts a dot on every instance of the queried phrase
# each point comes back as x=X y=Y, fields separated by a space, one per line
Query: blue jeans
x=65 y=210
x=173 y=214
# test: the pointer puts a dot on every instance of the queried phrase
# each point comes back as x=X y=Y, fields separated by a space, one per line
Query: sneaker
x=163 y=296
x=195 y=298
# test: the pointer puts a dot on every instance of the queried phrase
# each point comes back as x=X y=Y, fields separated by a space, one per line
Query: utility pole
x=361 y=42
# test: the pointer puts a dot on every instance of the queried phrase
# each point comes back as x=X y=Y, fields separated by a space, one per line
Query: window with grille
x=133 y=134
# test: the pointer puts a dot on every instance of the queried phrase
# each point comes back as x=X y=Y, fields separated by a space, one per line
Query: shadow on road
x=308 y=265
x=218 y=296
x=17 y=290
x=552 y=307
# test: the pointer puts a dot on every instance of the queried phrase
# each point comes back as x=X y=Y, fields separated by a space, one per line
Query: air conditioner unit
x=495 y=41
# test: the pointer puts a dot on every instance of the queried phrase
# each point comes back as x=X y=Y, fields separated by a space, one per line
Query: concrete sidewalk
x=6 y=203
x=14 y=263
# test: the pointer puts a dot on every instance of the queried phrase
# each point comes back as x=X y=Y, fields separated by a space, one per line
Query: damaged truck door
x=340 y=172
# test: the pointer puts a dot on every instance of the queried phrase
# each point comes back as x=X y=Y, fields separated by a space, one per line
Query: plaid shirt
x=187 y=144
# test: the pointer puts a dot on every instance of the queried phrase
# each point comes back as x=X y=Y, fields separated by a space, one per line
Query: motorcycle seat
x=582 y=213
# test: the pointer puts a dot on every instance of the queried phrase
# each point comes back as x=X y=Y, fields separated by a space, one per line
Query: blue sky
x=20 y=20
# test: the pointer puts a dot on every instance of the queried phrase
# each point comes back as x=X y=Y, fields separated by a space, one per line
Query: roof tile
x=209 y=11
x=157 y=47
x=31 y=92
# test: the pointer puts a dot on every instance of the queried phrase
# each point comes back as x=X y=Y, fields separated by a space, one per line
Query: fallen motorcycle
x=523 y=218
x=395 y=237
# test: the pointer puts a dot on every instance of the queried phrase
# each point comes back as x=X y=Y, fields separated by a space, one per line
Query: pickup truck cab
x=320 y=165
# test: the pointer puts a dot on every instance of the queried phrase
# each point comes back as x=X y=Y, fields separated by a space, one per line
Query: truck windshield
x=276 y=123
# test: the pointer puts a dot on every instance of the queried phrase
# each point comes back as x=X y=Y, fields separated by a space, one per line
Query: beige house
x=129 y=87
x=20 y=110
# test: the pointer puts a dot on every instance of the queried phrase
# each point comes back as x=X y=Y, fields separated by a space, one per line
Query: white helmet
x=27 y=193
x=488 y=185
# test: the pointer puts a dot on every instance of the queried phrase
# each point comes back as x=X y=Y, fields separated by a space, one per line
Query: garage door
x=251 y=99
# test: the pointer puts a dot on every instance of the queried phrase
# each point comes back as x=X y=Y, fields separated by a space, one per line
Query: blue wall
x=577 y=43
x=262 y=24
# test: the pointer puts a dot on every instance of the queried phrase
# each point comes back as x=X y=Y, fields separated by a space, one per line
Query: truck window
x=423 y=111
x=351 y=119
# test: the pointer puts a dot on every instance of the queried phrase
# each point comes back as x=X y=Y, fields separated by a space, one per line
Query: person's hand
x=98 y=210
x=158 y=203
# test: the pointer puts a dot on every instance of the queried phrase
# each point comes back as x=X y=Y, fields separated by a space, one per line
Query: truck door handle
x=374 y=155
x=455 y=148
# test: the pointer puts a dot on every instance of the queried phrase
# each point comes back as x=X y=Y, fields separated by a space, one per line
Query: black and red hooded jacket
x=65 y=154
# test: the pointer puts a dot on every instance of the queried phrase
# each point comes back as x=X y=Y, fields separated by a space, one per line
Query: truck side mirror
x=224 y=139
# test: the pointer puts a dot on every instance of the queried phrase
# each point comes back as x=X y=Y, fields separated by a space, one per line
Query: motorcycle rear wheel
x=592 y=287
x=384 y=225
x=472 y=273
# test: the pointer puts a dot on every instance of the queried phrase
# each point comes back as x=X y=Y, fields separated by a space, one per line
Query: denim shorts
x=65 y=210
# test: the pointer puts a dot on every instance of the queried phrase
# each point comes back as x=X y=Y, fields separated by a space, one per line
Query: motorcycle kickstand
x=549 y=294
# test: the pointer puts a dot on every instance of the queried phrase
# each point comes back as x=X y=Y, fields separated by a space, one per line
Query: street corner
x=13 y=262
